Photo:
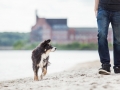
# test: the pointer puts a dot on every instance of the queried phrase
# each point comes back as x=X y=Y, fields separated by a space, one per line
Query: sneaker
x=116 y=69
x=105 y=70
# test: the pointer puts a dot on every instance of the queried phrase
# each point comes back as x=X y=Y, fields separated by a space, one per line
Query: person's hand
x=96 y=13
x=96 y=7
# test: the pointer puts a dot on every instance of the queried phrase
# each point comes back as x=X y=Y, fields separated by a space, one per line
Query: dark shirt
x=112 y=5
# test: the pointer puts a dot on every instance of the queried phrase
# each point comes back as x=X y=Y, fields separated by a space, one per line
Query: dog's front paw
x=36 y=79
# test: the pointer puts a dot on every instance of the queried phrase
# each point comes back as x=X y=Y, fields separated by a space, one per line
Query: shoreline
x=83 y=76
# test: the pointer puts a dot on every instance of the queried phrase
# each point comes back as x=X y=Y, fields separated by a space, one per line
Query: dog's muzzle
x=53 y=49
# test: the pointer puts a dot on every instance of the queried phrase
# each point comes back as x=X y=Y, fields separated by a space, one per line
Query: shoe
x=105 y=70
x=116 y=69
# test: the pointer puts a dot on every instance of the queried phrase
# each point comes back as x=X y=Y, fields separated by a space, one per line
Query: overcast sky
x=19 y=15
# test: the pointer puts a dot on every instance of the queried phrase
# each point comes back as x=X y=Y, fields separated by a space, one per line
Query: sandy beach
x=83 y=76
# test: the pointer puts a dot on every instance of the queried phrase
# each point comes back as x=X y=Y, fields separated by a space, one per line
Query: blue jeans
x=104 y=18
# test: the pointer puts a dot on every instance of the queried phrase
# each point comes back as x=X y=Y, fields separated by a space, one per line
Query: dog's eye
x=49 y=46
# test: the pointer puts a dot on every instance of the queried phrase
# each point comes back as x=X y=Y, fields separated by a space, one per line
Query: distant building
x=86 y=35
x=59 y=32
x=55 y=29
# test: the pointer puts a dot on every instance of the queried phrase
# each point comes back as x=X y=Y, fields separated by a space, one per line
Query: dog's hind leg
x=44 y=71
x=36 y=73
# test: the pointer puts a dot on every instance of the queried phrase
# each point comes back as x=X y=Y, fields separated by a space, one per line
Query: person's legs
x=103 y=21
x=116 y=40
x=103 y=24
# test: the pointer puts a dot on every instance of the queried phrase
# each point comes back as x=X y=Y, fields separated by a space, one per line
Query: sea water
x=18 y=64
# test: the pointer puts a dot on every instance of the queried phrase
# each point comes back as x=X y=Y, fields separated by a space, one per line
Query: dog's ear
x=45 y=42
x=48 y=41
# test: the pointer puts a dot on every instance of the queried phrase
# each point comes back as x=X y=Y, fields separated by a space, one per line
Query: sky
x=19 y=15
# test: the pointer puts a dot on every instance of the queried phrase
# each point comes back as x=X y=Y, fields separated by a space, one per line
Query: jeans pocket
x=101 y=13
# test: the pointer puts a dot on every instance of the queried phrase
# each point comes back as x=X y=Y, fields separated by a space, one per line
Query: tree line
x=10 y=38
x=21 y=41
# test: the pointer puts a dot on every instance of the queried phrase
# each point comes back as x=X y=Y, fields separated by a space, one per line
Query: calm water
x=18 y=64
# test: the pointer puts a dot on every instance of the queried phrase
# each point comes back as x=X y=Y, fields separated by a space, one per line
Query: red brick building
x=55 y=29
x=58 y=31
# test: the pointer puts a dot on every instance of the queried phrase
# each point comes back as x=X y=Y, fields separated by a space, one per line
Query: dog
x=40 y=57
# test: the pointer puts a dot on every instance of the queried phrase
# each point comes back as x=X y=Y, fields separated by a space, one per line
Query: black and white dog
x=40 y=57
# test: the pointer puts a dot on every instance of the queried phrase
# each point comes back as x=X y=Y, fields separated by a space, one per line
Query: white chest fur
x=43 y=56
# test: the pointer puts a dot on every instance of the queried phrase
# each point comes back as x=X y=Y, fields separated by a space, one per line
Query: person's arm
x=96 y=7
